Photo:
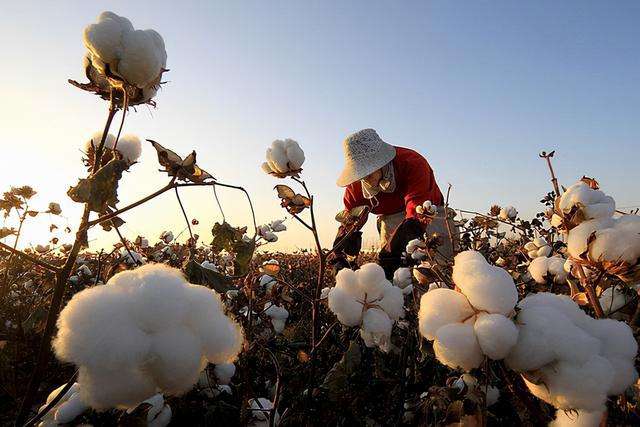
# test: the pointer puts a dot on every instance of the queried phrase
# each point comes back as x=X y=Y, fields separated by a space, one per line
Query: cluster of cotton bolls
x=596 y=234
x=147 y=330
x=544 y=267
x=367 y=299
x=115 y=48
x=474 y=322
x=508 y=213
x=538 y=247
x=268 y=231
x=569 y=359
x=129 y=145
x=426 y=208
x=284 y=158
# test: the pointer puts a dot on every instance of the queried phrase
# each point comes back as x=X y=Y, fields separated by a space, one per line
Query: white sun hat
x=364 y=153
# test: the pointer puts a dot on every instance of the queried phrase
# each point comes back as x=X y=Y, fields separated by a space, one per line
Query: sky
x=479 y=88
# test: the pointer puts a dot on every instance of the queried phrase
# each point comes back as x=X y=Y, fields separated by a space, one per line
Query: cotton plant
x=284 y=158
x=365 y=298
x=538 y=247
x=146 y=330
x=416 y=249
x=569 y=359
x=581 y=202
x=473 y=321
x=426 y=208
x=543 y=268
x=121 y=57
x=267 y=232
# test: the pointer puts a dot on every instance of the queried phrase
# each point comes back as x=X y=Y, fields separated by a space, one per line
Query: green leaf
x=100 y=191
x=199 y=275
x=225 y=236
x=337 y=382
x=244 y=253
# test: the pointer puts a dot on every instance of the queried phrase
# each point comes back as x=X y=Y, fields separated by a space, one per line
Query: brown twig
x=554 y=180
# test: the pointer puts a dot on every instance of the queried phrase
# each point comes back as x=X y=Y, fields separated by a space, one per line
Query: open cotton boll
x=278 y=316
x=508 y=213
x=163 y=418
x=104 y=39
x=376 y=328
x=487 y=287
x=402 y=277
x=260 y=410
x=619 y=242
x=392 y=301
x=143 y=57
x=295 y=155
x=371 y=280
x=496 y=335
x=209 y=265
x=456 y=346
x=224 y=372
x=594 y=203
x=612 y=299
x=277 y=156
x=538 y=247
x=278 y=225
x=542 y=268
x=439 y=307
x=568 y=385
x=69 y=410
x=577 y=418
x=146 y=329
x=345 y=306
x=130 y=147
x=562 y=303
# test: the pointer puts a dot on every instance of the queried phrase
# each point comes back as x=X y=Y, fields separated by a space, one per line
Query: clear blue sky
x=478 y=87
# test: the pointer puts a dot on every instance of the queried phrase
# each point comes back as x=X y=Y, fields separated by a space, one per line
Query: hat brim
x=354 y=171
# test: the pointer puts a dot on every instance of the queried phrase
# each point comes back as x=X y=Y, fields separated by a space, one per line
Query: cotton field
x=528 y=322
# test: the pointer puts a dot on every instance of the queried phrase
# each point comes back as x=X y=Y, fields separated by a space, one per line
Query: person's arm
x=348 y=241
x=420 y=185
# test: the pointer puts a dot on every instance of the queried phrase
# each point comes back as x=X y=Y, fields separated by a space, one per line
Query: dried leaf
x=292 y=202
x=174 y=165
x=204 y=276
x=100 y=191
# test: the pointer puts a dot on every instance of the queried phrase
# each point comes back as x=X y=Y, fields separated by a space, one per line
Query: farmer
x=391 y=181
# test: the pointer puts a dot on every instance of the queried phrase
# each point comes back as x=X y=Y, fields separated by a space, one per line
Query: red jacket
x=415 y=183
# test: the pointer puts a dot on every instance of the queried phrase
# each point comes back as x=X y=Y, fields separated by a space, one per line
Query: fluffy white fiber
x=571 y=360
x=612 y=299
x=593 y=203
x=146 y=330
x=137 y=56
x=402 y=277
x=576 y=419
x=278 y=315
x=283 y=157
x=613 y=239
x=508 y=213
x=538 y=247
x=470 y=324
x=542 y=268
x=366 y=298
x=224 y=372
x=487 y=287
x=67 y=409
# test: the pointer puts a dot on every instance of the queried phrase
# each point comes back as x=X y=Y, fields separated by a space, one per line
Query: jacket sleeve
x=421 y=185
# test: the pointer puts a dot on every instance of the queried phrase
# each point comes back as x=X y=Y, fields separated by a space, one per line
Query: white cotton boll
x=346 y=308
x=619 y=242
x=265 y=279
x=376 y=328
x=347 y=280
x=132 y=257
x=160 y=297
x=402 y=277
x=577 y=418
x=278 y=316
x=371 y=280
x=209 y=265
x=67 y=411
x=74 y=388
x=408 y=290
x=392 y=301
x=594 y=203
x=578 y=239
x=496 y=335
x=456 y=346
x=493 y=395
x=561 y=303
x=224 y=372
x=508 y=213
x=130 y=147
x=487 y=287
x=440 y=307
x=617 y=338
x=175 y=367
x=95 y=139
x=278 y=225
x=295 y=154
x=141 y=62
x=260 y=409
x=96 y=329
x=166 y=236
x=538 y=269
x=277 y=157
x=103 y=389
x=556 y=220
x=414 y=244
x=266 y=168
x=612 y=299
x=542 y=268
x=163 y=418
x=221 y=336
x=568 y=385
x=104 y=38
x=624 y=375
